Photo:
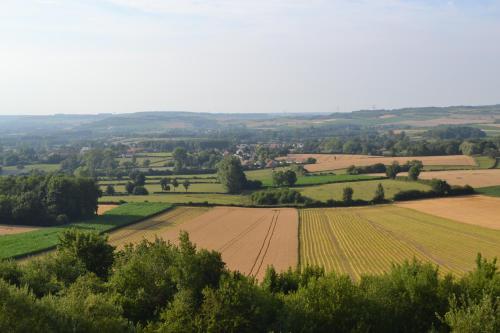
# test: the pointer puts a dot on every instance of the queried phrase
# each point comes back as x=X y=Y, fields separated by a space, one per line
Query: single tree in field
x=290 y=177
x=175 y=183
x=347 y=194
x=186 y=184
x=379 y=194
x=110 y=190
x=414 y=172
x=129 y=187
x=392 y=170
x=146 y=163
x=231 y=175
x=164 y=183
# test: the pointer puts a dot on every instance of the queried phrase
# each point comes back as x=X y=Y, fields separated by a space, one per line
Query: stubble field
x=249 y=239
x=325 y=162
x=477 y=210
x=359 y=241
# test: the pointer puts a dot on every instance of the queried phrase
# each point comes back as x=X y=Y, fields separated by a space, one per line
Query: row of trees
x=45 y=200
x=85 y=286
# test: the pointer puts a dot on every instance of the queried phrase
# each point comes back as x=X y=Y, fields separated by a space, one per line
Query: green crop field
x=362 y=190
x=266 y=177
x=485 y=162
x=193 y=188
x=45 y=238
x=30 y=167
x=367 y=240
x=183 y=198
x=492 y=191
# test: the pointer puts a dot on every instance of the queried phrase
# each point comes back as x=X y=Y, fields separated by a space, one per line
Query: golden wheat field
x=326 y=162
x=478 y=209
x=474 y=178
x=249 y=239
x=367 y=240
x=155 y=226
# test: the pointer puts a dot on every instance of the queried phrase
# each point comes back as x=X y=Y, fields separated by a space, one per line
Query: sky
x=94 y=56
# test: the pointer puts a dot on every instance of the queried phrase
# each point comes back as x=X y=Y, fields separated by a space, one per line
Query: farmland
x=249 y=239
x=266 y=177
x=22 y=244
x=359 y=241
x=493 y=191
x=362 y=190
x=478 y=210
x=325 y=162
x=183 y=198
x=154 y=226
x=474 y=178
x=14 y=229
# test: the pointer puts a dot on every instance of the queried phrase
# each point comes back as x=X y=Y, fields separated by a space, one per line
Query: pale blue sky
x=90 y=56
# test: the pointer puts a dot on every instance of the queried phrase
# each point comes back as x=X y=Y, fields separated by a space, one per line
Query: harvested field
x=249 y=239
x=101 y=209
x=367 y=240
x=15 y=229
x=474 y=178
x=478 y=210
x=155 y=226
x=325 y=162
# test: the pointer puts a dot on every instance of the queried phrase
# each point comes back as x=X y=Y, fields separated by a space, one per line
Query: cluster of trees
x=166 y=182
x=284 y=178
x=439 y=188
x=46 y=200
x=399 y=144
x=85 y=286
x=231 y=175
x=455 y=133
x=414 y=168
x=204 y=159
x=277 y=197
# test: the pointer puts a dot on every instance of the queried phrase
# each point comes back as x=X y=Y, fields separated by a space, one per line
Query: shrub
x=277 y=196
x=347 y=194
x=140 y=190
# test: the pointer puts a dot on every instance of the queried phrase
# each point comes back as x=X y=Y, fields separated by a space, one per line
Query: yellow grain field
x=155 y=226
x=368 y=240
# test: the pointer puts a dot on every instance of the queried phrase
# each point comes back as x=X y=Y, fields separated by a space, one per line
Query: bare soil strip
x=478 y=210
x=104 y=208
x=6 y=229
x=474 y=178
x=325 y=162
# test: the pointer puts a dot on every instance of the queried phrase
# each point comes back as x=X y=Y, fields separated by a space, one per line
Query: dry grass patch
x=325 y=162
x=103 y=208
x=474 y=178
x=478 y=210
x=14 y=229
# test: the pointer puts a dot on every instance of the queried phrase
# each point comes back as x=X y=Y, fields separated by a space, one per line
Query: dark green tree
x=231 y=175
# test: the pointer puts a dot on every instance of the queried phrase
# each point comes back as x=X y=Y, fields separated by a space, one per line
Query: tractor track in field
x=274 y=222
x=241 y=234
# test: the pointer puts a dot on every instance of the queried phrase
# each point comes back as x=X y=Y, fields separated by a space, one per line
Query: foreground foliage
x=160 y=287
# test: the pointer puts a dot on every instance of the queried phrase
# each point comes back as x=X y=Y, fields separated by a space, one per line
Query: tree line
x=88 y=286
x=46 y=200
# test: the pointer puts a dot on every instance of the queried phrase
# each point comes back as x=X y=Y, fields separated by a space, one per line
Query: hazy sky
x=90 y=56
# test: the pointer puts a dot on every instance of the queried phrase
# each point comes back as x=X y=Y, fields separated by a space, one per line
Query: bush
x=62 y=219
x=140 y=190
x=277 y=196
